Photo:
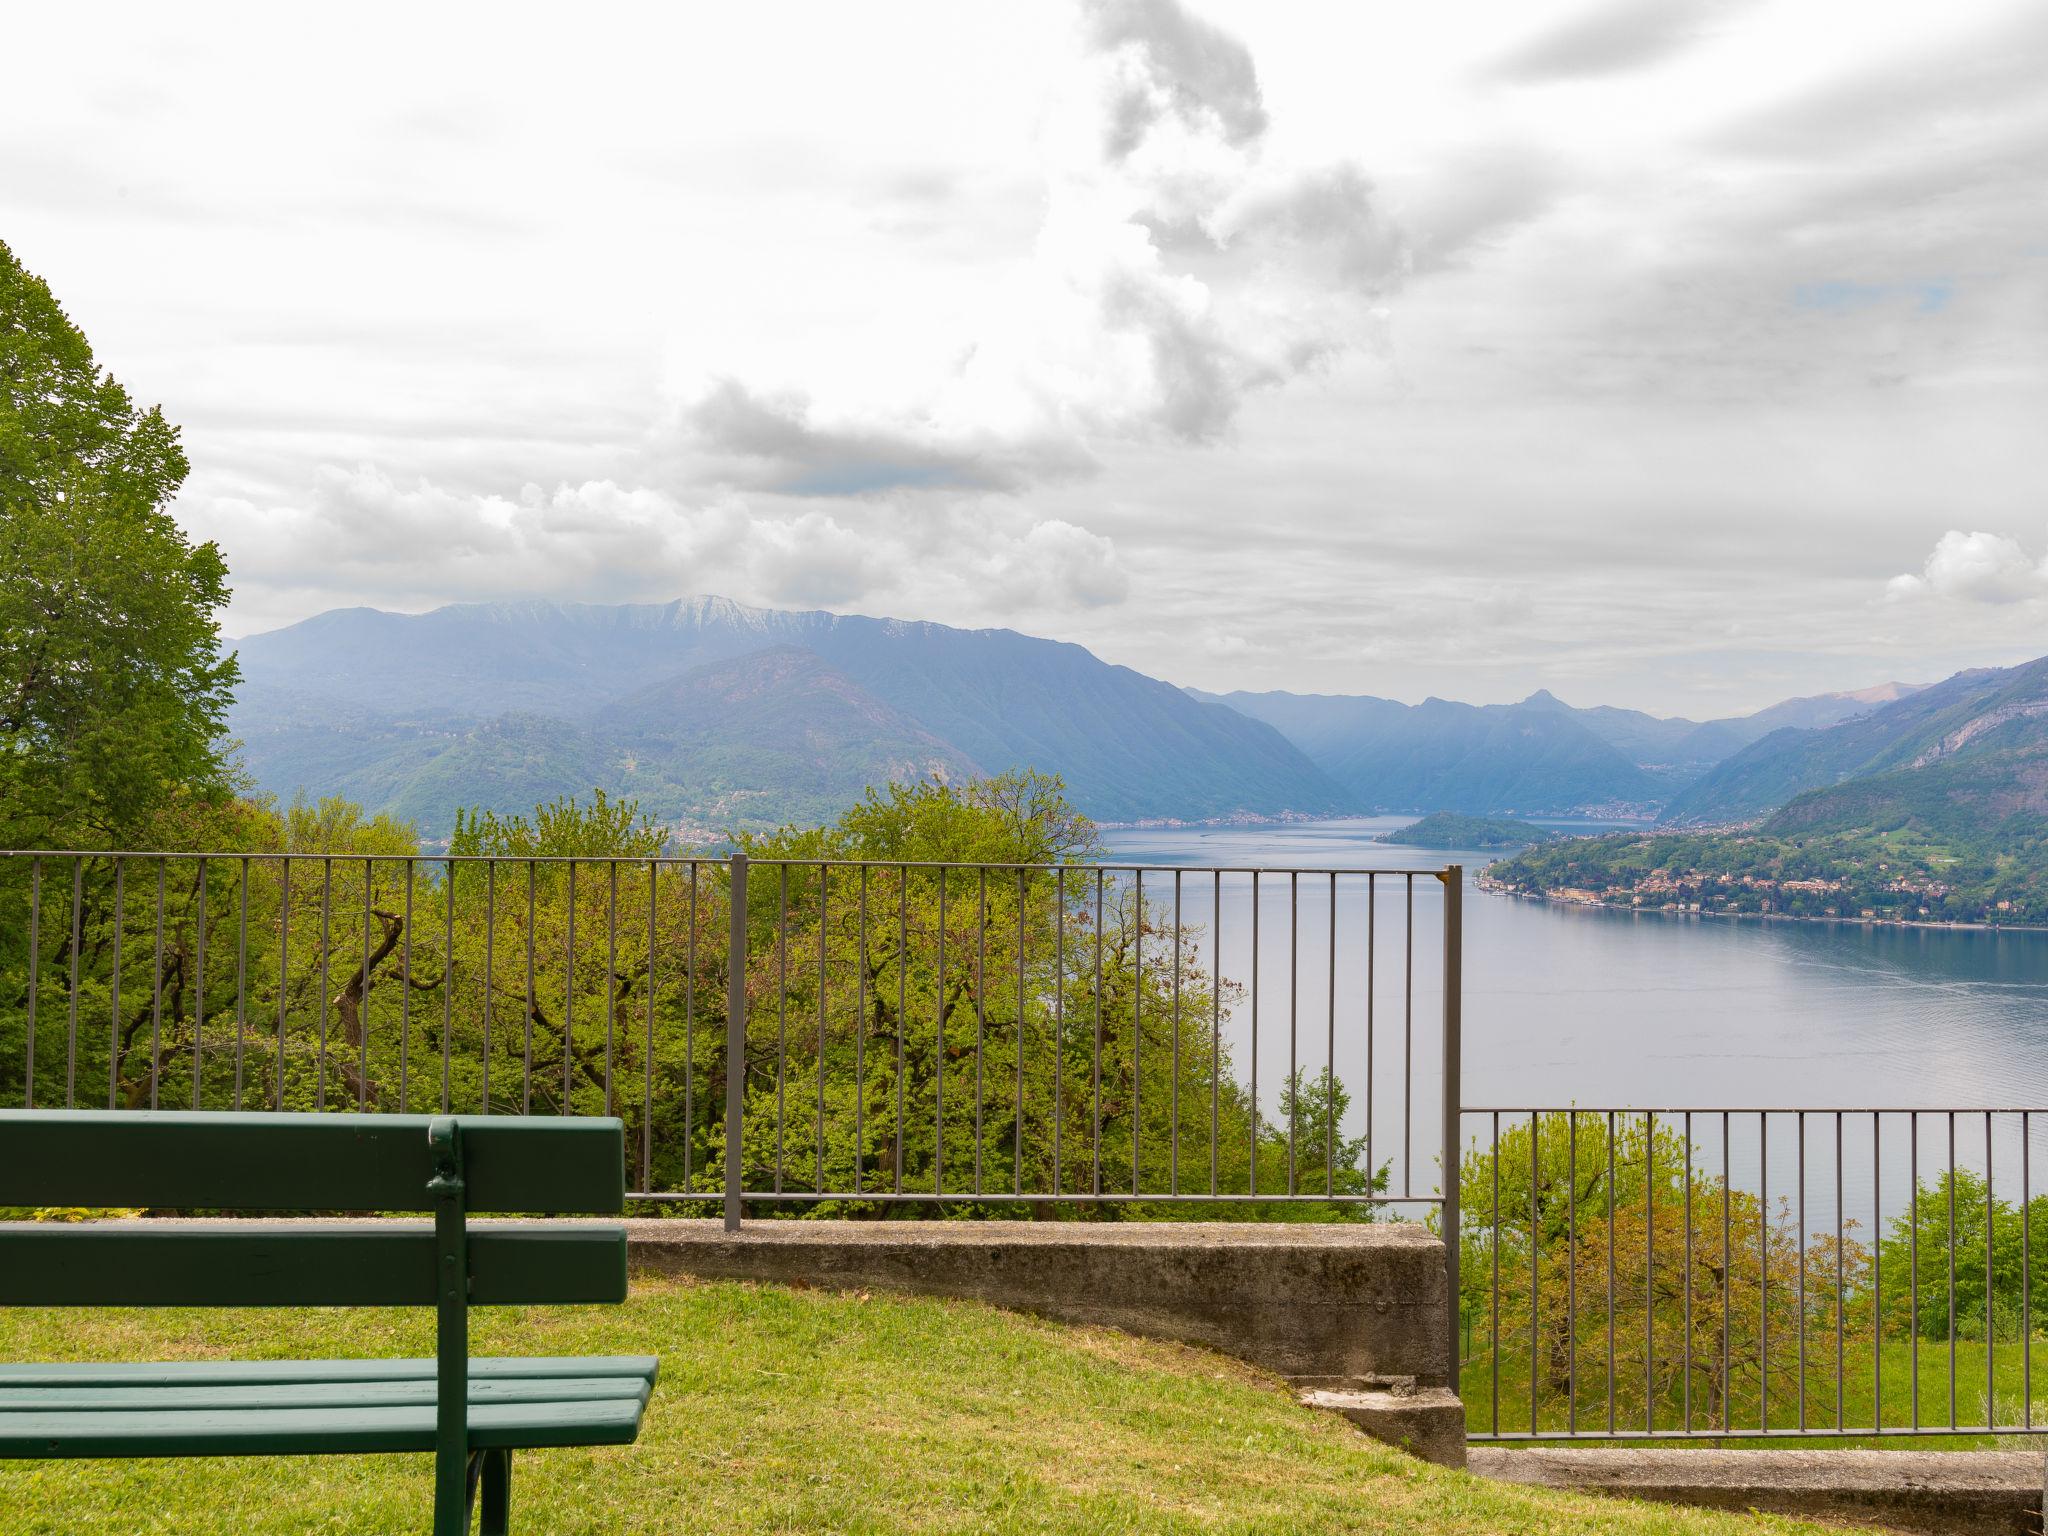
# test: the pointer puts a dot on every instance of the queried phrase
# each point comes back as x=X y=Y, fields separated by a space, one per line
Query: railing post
x=1454 y=1107
x=735 y=1036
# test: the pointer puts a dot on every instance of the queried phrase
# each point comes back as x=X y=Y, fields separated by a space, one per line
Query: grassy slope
x=803 y=1411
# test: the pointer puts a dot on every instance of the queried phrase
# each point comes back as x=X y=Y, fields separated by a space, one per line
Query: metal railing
x=1729 y=1274
x=1208 y=1040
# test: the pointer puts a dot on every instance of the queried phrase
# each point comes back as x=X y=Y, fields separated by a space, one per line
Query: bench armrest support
x=451 y=1333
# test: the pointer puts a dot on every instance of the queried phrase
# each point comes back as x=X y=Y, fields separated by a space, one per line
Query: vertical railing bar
x=980 y=1009
x=1952 y=1269
x=1990 y=1327
x=1137 y=1023
x=363 y=1002
x=1877 y=1271
x=782 y=1012
x=1842 y=1270
x=1613 y=1200
x=611 y=980
x=284 y=952
x=71 y=1011
x=690 y=1040
x=1535 y=1253
x=2026 y=1273
x=1799 y=1122
x=156 y=990
x=824 y=914
x=448 y=985
x=1763 y=1270
x=1330 y=1059
x=199 y=989
x=114 y=989
x=902 y=1001
x=1252 y=1172
x=1727 y=1272
x=735 y=1033
x=35 y=949
x=1017 y=1123
x=647 y=1048
x=1371 y=992
x=1913 y=1255
x=1173 y=1098
x=1493 y=1317
x=405 y=1000
x=532 y=944
x=1650 y=1272
x=1453 y=1101
x=241 y=979
x=1686 y=1356
x=939 y=1064
x=1059 y=1018
x=569 y=1001
x=490 y=972
x=1571 y=1274
x=1408 y=1049
x=860 y=1035
x=1215 y=1026
x=326 y=961
x=1293 y=1018
x=1095 y=1146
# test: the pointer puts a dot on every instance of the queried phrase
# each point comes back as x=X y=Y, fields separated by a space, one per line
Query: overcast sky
x=1683 y=354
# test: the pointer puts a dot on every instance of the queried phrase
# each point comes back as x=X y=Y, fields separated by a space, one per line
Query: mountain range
x=1539 y=756
x=1970 y=748
x=716 y=715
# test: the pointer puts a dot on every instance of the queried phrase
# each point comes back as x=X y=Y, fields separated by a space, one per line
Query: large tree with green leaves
x=112 y=685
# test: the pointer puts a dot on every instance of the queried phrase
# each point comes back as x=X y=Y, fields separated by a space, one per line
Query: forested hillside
x=506 y=704
x=1976 y=713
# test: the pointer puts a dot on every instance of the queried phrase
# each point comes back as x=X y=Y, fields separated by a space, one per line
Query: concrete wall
x=1339 y=1305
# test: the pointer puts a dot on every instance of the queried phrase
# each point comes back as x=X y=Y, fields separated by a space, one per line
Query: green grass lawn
x=783 y=1410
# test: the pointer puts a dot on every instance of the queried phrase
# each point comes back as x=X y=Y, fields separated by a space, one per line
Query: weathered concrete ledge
x=1937 y=1492
x=1423 y=1421
x=1326 y=1305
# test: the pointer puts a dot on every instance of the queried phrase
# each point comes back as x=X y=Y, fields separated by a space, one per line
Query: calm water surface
x=1568 y=1005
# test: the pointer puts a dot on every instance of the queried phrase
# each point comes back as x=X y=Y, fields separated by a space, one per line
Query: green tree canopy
x=112 y=685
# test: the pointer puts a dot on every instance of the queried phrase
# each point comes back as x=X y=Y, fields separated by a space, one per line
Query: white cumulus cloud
x=1974 y=568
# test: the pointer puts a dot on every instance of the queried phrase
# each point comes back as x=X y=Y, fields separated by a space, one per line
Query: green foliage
x=1448 y=829
x=112 y=686
x=1943 y=1236
x=952 y=1028
x=562 y=828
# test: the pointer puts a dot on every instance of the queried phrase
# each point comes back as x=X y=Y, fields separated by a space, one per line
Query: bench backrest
x=310 y=1162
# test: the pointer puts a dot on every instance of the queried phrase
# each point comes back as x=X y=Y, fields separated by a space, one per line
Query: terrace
x=1106 y=1074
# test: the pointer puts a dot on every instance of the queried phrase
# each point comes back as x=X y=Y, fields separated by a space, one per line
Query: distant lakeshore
x=1496 y=888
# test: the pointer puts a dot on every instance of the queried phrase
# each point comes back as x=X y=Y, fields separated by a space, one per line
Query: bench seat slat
x=312 y=1431
x=312 y=1264
x=123 y=1373
x=51 y=1398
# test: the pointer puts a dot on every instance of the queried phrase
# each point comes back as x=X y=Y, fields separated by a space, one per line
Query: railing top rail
x=1755 y=1109
x=1105 y=866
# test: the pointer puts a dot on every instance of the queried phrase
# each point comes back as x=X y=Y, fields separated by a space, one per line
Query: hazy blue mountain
x=1531 y=757
x=1982 y=712
x=404 y=710
x=1538 y=755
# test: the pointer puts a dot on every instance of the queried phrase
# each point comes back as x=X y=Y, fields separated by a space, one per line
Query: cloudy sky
x=1684 y=354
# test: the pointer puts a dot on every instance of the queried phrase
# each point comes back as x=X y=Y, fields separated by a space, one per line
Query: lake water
x=1580 y=1006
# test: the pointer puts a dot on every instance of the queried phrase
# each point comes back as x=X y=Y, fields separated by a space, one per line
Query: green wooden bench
x=472 y=1414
